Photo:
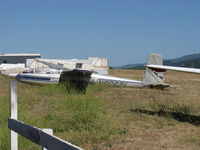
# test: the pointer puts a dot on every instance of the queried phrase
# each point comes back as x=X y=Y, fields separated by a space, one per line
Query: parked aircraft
x=96 y=64
x=38 y=66
x=162 y=68
x=80 y=78
x=11 y=70
x=39 y=76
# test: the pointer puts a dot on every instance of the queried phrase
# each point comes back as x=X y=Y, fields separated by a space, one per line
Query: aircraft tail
x=154 y=77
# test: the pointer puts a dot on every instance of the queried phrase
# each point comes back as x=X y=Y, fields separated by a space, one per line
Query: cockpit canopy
x=42 y=71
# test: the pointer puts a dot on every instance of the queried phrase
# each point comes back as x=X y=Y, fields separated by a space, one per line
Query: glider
x=80 y=78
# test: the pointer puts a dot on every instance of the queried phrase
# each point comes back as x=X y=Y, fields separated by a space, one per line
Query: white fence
x=34 y=134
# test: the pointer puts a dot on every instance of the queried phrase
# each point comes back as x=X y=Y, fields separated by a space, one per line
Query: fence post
x=48 y=131
x=13 y=113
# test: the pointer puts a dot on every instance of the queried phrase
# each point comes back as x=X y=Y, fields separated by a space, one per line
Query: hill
x=192 y=61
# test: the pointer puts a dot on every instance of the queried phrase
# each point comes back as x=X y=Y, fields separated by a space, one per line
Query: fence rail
x=34 y=134
x=39 y=137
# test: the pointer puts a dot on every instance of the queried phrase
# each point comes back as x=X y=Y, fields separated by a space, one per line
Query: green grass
x=78 y=118
x=4 y=133
x=109 y=117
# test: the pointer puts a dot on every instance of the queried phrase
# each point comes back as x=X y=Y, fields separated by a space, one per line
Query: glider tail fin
x=154 y=77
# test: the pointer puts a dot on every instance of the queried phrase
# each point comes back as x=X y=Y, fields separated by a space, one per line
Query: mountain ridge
x=191 y=60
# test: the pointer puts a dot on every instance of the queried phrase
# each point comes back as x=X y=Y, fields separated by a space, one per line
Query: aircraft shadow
x=194 y=120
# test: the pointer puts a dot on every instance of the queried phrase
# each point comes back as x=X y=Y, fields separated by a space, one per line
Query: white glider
x=80 y=78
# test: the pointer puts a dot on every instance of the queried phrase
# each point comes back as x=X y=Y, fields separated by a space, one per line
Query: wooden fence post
x=13 y=113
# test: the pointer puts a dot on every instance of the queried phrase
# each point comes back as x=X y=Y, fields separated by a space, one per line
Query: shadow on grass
x=194 y=120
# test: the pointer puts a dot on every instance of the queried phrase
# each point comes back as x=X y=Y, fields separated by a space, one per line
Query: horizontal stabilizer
x=164 y=68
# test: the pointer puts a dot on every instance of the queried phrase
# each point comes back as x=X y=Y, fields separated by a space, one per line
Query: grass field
x=109 y=117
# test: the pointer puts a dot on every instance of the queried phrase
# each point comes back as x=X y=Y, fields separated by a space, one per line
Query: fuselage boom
x=115 y=81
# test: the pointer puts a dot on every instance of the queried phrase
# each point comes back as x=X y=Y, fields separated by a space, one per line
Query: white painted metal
x=43 y=137
x=13 y=112
x=39 y=137
x=38 y=78
x=183 y=69
x=115 y=81
x=4 y=67
x=96 y=64
x=151 y=78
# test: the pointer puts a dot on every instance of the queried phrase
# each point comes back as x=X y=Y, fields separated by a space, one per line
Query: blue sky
x=125 y=31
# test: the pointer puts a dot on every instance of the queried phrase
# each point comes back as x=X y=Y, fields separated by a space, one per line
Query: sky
x=125 y=31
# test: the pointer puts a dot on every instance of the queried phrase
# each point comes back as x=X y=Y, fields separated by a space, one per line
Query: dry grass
x=147 y=128
x=114 y=118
